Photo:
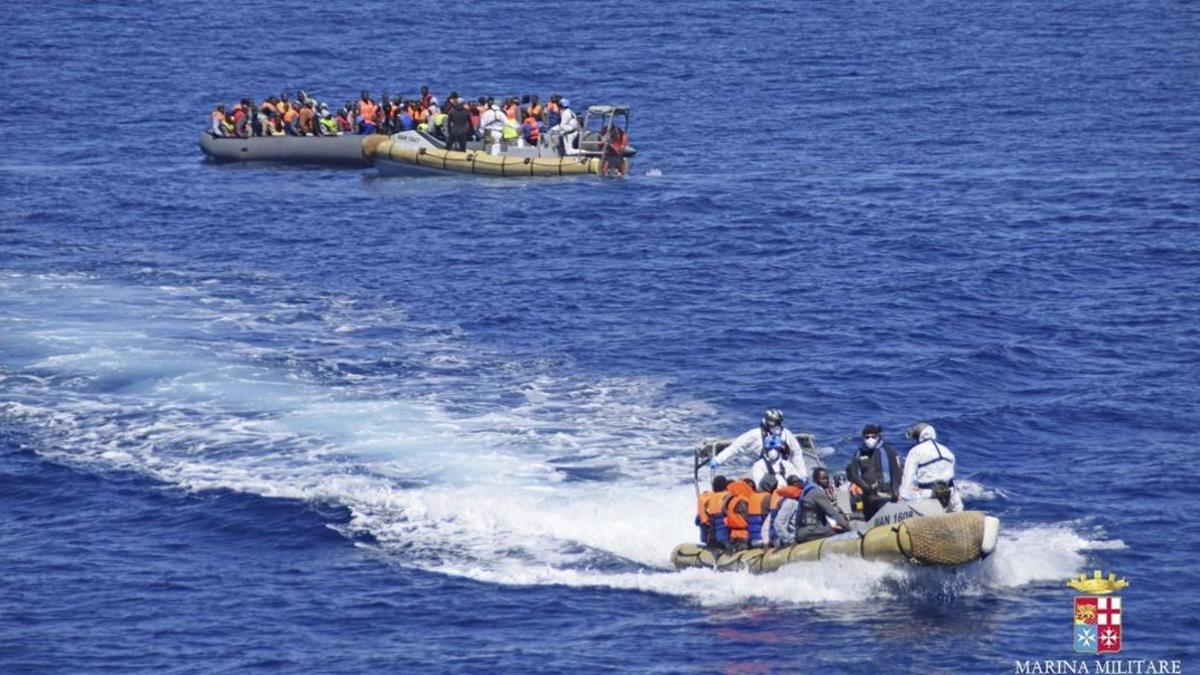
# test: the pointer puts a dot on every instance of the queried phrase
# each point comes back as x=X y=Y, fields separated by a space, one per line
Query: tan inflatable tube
x=480 y=163
x=943 y=540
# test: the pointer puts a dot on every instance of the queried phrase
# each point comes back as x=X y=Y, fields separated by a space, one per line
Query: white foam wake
x=451 y=458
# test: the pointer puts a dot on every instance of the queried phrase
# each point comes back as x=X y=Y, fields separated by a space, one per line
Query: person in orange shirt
x=614 y=151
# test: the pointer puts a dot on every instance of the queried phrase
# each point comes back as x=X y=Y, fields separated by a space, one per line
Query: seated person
x=815 y=508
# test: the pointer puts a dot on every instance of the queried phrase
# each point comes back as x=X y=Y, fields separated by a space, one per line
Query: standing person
x=614 y=151
x=752 y=442
x=567 y=129
x=460 y=127
x=217 y=126
x=875 y=471
x=491 y=124
x=772 y=463
x=815 y=508
x=929 y=470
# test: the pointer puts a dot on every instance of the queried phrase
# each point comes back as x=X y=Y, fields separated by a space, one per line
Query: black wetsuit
x=460 y=128
x=866 y=471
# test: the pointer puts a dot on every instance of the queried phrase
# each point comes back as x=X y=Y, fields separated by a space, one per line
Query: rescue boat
x=909 y=532
x=410 y=153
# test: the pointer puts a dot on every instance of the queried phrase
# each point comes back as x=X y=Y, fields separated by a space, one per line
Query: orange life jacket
x=785 y=492
x=534 y=132
x=735 y=521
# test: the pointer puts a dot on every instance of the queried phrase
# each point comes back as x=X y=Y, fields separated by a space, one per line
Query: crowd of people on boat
x=510 y=120
x=781 y=503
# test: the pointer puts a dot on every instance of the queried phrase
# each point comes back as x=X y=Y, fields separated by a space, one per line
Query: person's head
x=566 y=103
x=720 y=483
x=220 y=107
x=872 y=435
x=795 y=481
x=921 y=432
x=820 y=476
x=424 y=89
x=772 y=422
x=366 y=95
x=749 y=482
x=768 y=483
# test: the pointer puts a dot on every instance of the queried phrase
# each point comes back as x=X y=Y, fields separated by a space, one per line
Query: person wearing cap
x=929 y=470
x=567 y=130
x=874 y=471
x=769 y=435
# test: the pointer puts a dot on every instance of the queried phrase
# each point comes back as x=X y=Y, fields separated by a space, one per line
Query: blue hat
x=566 y=103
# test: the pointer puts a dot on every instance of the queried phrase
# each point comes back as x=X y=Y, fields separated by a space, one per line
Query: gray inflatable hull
x=339 y=151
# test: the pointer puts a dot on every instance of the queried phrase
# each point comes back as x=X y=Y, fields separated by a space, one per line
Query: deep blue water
x=322 y=421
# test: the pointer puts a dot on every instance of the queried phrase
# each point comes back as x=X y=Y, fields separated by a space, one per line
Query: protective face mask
x=872 y=442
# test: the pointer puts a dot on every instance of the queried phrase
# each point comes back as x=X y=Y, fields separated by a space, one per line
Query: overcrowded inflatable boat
x=600 y=147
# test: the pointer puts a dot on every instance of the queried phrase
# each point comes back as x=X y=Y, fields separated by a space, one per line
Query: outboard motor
x=941 y=492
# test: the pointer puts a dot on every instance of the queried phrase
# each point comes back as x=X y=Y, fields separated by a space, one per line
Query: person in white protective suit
x=929 y=469
x=776 y=449
x=567 y=129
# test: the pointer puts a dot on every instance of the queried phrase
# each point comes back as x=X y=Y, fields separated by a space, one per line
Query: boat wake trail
x=449 y=458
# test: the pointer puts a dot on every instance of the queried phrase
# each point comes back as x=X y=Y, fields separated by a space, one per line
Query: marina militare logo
x=1098 y=613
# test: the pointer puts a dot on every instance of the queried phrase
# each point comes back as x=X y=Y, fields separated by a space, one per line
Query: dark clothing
x=460 y=129
x=814 y=508
x=866 y=471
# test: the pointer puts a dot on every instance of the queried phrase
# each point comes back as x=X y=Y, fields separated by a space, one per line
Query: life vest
x=710 y=516
x=809 y=517
x=330 y=125
x=418 y=115
x=439 y=119
x=617 y=145
x=512 y=130
x=759 y=506
x=739 y=528
x=534 y=132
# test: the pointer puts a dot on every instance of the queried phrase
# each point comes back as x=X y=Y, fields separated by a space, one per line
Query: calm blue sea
x=316 y=421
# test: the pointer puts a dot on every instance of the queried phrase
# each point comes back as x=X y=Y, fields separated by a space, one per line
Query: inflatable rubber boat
x=414 y=153
x=918 y=532
x=336 y=151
